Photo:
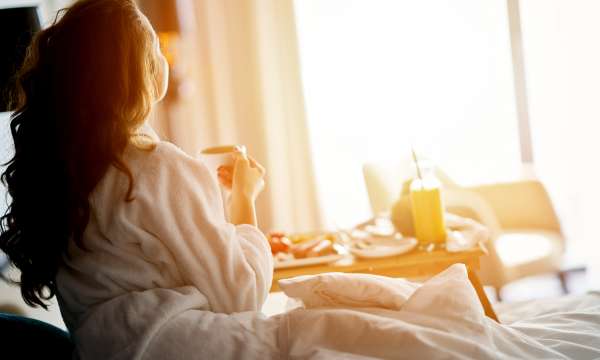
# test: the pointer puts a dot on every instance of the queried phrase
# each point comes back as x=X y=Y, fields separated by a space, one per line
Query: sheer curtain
x=562 y=59
x=240 y=63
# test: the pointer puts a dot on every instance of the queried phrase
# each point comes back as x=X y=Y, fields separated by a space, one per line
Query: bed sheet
x=443 y=319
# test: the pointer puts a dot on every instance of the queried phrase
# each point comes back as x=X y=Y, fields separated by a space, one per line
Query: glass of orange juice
x=428 y=209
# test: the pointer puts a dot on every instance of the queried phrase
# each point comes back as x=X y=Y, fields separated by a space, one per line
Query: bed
x=345 y=316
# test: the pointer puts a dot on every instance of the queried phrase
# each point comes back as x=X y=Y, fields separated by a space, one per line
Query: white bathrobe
x=166 y=253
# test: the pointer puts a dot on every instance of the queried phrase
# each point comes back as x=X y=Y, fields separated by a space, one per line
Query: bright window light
x=381 y=76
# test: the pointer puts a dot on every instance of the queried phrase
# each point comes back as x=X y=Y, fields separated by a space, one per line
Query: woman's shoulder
x=161 y=159
x=147 y=150
x=167 y=172
x=165 y=151
x=157 y=154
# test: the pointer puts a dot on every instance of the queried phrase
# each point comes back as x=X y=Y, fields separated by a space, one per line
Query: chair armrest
x=520 y=205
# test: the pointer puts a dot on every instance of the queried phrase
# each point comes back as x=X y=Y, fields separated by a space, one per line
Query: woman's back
x=171 y=240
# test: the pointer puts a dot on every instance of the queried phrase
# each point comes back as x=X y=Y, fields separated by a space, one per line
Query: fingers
x=240 y=149
x=226 y=183
x=247 y=177
x=248 y=162
x=255 y=164
x=237 y=155
x=241 y=153
x=225 y=175
x=225 y=168
x=240 y=160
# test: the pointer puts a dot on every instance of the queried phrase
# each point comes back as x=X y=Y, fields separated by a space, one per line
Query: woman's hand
x=248 y=177
x=225 y=175
x=246 y=181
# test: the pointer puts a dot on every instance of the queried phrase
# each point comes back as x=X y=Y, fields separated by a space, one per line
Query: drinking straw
x=417 y=164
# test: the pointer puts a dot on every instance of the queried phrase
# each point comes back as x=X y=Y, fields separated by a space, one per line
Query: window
x=381 y=76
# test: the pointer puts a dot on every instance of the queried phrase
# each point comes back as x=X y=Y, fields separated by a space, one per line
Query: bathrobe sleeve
x=179 y=203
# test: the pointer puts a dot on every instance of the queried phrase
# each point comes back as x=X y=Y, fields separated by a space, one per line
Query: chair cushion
x=33 y=339
x=517 y=248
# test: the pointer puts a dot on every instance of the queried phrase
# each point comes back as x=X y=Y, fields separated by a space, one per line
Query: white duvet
x=166 y=277
x=440 y=320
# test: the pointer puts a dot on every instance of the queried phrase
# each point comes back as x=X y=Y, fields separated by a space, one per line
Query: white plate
x=386 y=248
x=307 y=261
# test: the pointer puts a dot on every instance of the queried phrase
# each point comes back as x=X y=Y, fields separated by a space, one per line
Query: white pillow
x=448 y=294
x=348 y=290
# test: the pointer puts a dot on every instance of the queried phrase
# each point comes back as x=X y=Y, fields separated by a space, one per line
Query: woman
x=126 y=230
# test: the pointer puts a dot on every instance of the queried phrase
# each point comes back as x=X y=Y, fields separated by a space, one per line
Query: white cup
x=217 y=156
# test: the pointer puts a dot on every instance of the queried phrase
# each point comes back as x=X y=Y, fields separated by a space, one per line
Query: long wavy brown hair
x=87 y=84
